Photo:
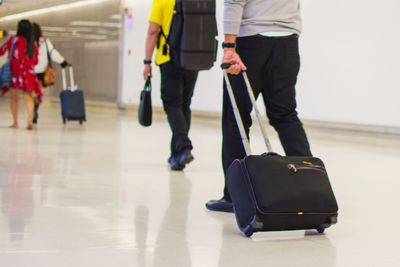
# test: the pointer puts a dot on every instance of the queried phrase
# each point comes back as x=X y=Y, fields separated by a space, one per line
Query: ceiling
x=101 y=21
x=15 y=6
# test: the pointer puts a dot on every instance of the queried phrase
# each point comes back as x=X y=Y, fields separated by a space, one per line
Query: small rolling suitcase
x=72 y=100
x=274 y=193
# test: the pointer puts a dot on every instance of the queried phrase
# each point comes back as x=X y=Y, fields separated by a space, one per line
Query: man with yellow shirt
x=177 y=84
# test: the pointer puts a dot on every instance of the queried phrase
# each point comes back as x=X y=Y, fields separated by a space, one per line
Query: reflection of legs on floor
x=173 y=231
x=14 y=107
x=141 y=226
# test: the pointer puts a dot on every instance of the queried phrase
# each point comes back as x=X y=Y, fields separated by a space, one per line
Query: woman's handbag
x=49 y=77
x=5 y=72
x=145 y=109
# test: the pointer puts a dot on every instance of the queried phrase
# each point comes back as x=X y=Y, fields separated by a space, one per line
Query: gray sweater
x=251 y=17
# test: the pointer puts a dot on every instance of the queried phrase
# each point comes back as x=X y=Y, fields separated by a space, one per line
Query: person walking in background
x=46 y=52
x=261 y=36
x=23 y=60
x=177 y=84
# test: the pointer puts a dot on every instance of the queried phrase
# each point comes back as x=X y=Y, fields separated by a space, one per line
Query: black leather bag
x=145 y=108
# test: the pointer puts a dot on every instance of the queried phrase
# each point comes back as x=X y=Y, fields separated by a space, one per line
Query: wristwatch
x=228 y=45
x=147 y=61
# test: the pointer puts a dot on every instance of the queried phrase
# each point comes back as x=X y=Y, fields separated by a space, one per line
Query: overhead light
x=53 y=29
x=112 y=24
x=86 y=23
x=116 y=16
x=51 y=9
x=90 y=36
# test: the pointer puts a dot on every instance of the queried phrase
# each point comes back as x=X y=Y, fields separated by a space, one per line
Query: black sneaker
x=185 y=157
x=174 y=164
x=220 y=205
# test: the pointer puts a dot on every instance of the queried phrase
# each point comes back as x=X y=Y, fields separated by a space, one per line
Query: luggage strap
x=238 y=118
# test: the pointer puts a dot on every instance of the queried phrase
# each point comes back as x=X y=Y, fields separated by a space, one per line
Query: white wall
x=349 y=50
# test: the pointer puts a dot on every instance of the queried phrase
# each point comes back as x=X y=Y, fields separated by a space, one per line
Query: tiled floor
x=102 y=195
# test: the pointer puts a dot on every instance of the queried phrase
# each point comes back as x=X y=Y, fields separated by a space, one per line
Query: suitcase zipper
x=305 y=166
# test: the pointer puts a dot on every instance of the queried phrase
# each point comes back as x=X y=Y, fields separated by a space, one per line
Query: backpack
x=192 y=36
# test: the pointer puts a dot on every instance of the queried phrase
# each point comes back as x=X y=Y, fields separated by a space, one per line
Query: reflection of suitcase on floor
x=72 y=100
x=274 y=193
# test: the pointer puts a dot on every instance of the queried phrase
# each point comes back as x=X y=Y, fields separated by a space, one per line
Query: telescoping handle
x=71 y=78
x=238 y=118
x=72 y=85
x=64 y=79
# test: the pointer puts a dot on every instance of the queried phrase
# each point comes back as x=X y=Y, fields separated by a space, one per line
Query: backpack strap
x=12 y=48
x=162 y=33
x=48 y=54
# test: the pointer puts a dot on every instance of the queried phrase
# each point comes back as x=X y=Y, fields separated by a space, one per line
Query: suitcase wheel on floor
x=321 y=230
x=64 y=120
x=80 y=122
x=249 y=232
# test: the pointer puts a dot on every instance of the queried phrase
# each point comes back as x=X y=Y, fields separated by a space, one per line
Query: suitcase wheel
x=80 y=122
x=249 y=232
x=64 y=120
x=321 y=230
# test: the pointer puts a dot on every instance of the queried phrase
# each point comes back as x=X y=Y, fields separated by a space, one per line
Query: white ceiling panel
x=15 y=6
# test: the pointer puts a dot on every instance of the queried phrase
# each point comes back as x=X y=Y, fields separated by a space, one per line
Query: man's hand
x=233 y=58
x=147 y=71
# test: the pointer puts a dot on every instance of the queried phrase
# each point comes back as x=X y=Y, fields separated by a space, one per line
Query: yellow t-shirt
x=161 y=13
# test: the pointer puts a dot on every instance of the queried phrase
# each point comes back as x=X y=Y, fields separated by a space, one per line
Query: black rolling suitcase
x=274 y=193
x=72 y=100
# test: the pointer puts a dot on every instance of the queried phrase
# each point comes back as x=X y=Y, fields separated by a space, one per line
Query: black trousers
x=272 y=67
x=177 y=86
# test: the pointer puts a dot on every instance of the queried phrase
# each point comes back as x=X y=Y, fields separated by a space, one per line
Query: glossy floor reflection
x=102 y=195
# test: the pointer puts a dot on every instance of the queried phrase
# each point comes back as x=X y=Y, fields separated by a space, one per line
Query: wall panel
x=88 y=37
x=349 y=71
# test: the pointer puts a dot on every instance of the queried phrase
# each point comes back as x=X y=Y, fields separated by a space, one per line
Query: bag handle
x=238 y=118
x=48 y=54
x=12 y=48
x=147 y=85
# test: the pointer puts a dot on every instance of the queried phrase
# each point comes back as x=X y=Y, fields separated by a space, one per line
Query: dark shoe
x=174 y=164
x=185 y=157
x=220 y=205
x=179 y=162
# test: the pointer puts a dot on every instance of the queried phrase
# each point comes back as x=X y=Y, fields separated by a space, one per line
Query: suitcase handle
x=72 y=84
x=238 y=118
x=64 y=79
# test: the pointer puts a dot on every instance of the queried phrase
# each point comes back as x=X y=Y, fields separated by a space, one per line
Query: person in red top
x=23 y=61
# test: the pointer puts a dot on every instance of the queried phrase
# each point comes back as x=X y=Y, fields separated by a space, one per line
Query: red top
x=22 y=67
